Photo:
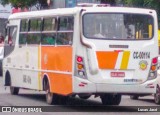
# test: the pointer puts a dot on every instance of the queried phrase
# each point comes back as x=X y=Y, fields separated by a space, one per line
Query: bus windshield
x=118 y=26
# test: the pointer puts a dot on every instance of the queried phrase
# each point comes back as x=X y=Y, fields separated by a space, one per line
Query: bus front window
x=117 y=26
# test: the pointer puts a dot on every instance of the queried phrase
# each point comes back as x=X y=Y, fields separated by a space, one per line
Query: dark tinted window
x=48 y=38
x=33 y=38
x=49 y=24
x=22 y=38
x=24 y=25
x=64 y=38
x=66 y=23
x=118 y=26
x=35 y=24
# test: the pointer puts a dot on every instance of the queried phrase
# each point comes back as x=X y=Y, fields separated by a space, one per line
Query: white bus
x=84 y=51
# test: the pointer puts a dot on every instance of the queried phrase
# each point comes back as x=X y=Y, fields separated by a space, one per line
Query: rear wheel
x=85 y=96
x=157 y=96
x=134 y=97
x=52 y=98
x=14 y=90
x=111 y=99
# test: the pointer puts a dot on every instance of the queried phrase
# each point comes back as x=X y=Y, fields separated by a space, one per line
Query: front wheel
x=111 y=99
x=157 y=96
x=14 y=90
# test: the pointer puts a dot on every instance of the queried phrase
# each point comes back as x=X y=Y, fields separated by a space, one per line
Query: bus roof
x=43 y=13
x=72 y=11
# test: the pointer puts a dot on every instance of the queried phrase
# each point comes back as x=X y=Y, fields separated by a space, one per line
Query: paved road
x=36 y=98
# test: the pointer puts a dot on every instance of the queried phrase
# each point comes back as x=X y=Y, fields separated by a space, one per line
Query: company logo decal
x=143 y=65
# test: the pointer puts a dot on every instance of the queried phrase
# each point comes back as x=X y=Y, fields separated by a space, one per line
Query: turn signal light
x=80 y=66
x=153 y=67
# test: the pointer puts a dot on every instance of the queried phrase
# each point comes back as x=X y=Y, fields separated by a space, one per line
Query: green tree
x=143 y=3
x=153 y=4
x=40 y=4
x=112 y=2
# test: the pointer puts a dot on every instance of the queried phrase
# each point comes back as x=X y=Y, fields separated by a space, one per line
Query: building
x=69 y=3
x=5 y=12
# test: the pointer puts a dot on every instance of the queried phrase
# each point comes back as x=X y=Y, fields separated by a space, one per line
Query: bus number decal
x=141 y=55
x=26 y=79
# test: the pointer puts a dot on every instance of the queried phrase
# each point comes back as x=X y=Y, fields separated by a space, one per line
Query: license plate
x=117 y=74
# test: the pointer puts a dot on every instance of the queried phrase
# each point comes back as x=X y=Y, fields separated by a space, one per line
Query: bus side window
x=23 y=31
x=34 y=31
x=22 y=38
x=65 y=30
x=48 y=39
x=64 y=38
x=49 y=29
x=66 y=23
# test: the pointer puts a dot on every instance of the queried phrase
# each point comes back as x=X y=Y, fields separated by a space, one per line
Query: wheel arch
x=7 y=81
x=45 y=80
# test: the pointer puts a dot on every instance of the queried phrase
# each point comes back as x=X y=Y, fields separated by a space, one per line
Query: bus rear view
x=119 y=54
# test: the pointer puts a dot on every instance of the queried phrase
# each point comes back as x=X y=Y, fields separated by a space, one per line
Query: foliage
x=41 y=4
x=112 y=2
x=153 y=4
x=144 y=3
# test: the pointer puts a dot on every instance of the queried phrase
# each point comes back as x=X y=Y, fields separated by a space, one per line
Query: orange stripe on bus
x=58 y=59
x=60 y=84
x=107 y=60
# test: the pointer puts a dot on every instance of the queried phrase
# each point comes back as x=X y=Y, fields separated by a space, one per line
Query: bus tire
x=157 y=96
x=111 y=99
x=84 y=97
x=14 y=90
x=54 y=99
x=134 y=97
x=51 y=98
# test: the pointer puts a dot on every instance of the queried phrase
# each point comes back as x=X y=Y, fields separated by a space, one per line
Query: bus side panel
x=60 y=83
x=58 y=59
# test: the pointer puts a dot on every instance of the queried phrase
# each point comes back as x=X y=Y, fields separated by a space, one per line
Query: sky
x=5 y=11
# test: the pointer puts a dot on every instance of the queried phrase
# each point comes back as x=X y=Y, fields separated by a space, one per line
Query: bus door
x=10 y=40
